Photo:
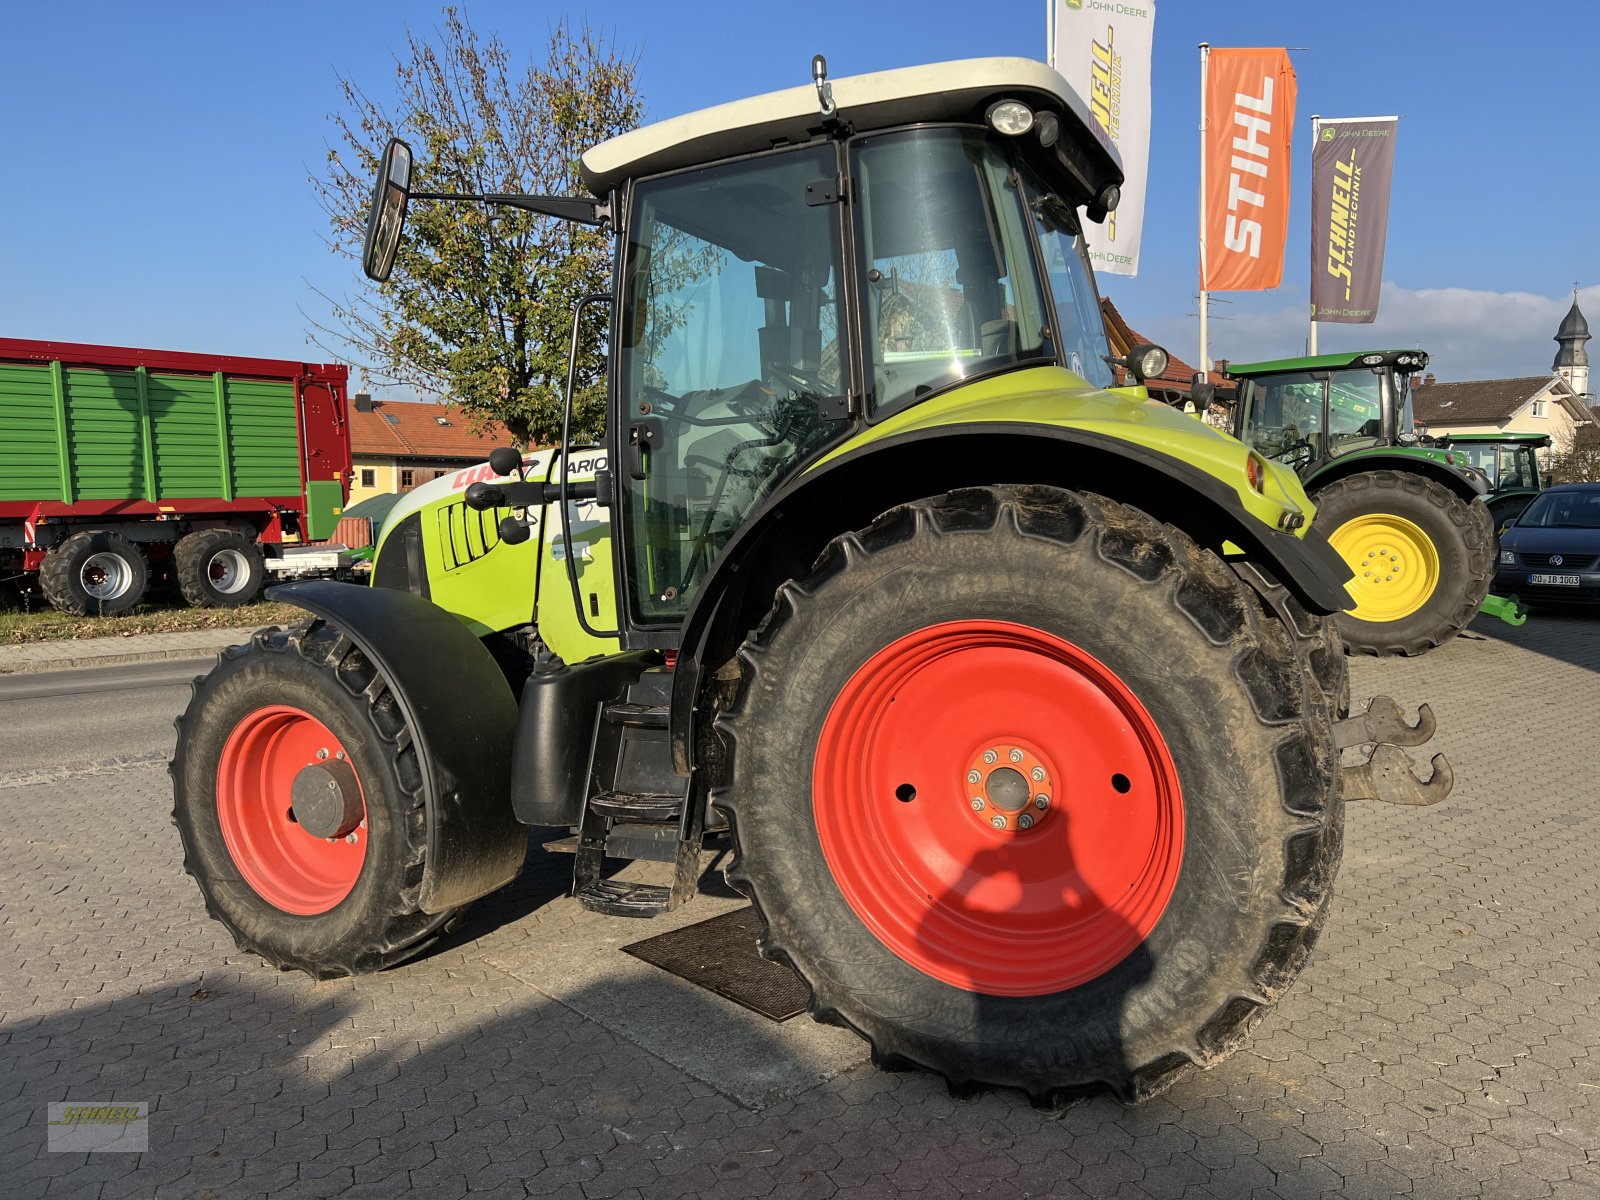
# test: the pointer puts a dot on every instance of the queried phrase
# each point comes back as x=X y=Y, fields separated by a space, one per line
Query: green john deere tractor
x=876 y=579
x=1511 y=462
x=1402 y=514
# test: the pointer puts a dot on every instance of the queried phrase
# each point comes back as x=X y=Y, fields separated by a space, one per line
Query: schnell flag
x=1352 y=166
x=1249 y=120
x=1103 y=51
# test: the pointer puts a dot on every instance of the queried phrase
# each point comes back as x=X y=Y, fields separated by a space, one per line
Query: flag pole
x=1316 y=124
x=1205 y=58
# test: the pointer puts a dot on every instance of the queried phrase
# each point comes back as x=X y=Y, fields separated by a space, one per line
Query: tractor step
x=649 y=808
x=619 y=899
x=638 y=716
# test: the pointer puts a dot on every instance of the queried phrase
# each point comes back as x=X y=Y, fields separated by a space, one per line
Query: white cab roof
x=947 y=91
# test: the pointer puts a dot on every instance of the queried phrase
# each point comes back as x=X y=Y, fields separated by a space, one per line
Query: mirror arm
x=567 y=208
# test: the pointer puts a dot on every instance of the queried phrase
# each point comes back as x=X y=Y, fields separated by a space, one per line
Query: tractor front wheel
x=1031 y=792
x=1422 y=556
x=300 y=805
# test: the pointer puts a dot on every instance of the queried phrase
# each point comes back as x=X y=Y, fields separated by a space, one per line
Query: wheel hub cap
x=326 y=798
x=1014 y=797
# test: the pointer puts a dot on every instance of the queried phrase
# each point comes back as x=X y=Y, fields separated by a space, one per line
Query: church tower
x=1572 y=360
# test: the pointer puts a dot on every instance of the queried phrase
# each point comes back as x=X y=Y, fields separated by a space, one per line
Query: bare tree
x=1580 y=462
x=480 y=304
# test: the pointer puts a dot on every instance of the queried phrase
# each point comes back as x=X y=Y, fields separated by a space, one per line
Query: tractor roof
x=951 y=91
x=1505 y=437
x=1404 y=361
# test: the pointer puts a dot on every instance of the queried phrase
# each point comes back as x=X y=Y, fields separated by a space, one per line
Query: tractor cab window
x=951 y=290
x=1355 y=411
x=1283 y=417
x=730 y=347
x=1076 y=325
x=1518 y=468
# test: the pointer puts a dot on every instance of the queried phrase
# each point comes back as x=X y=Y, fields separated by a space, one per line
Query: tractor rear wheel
x=1031 y=792
x=1422 y=556
x=300 y=805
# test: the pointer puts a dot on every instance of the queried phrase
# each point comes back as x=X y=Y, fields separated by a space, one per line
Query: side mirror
x=504 y=460
x=387 y=215
x=1144 y=361
x=1202 y=392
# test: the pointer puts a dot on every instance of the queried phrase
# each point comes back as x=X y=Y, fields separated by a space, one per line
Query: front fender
x=462 y=718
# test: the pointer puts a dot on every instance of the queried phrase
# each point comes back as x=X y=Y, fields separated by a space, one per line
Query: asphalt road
x=64 y=723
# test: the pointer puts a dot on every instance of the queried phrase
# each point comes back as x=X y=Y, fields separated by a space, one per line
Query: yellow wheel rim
x=1396 y=565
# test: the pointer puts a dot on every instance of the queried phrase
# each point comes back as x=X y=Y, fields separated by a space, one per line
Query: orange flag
x=1249 y=116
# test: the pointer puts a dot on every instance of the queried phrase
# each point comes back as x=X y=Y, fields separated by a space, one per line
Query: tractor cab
x=1306 y=412
x=1511 y=462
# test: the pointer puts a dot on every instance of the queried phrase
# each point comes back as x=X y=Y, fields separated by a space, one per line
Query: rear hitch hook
x=1389 y=775
x=1384 y=722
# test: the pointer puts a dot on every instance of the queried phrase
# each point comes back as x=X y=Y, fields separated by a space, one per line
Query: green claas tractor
x=1402 y=514
x=875 y=580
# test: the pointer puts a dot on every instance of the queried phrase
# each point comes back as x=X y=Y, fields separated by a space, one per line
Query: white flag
x=1103 y=50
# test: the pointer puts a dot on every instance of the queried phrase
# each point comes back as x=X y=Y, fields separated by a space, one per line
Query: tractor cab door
x=732 y=369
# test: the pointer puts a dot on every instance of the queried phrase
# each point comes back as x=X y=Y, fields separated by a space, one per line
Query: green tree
x=479 y=308
x=1581 y=461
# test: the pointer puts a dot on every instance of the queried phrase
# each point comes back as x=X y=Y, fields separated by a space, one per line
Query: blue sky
x=153 y=170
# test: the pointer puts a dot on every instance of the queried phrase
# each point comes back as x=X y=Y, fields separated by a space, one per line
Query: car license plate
x=1554 y=580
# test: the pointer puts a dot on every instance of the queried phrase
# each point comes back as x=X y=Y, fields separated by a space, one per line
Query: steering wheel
x=1297 y=454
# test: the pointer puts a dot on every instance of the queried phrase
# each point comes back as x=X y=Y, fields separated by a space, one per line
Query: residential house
x=1557 y=404
x=397 y=445
x=1175 y=384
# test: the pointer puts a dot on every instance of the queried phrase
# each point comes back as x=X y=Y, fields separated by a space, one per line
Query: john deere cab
x=1401 y=513
x=875 y=580
x=1511 y=463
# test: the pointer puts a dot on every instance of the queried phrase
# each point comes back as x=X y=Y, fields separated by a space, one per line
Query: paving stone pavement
x=1443 y=1042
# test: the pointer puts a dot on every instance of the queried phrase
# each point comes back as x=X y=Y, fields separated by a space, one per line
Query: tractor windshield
x=730 y=352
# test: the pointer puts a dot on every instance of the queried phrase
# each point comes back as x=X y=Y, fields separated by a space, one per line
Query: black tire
x=1463 y=540
x=218 y=568
x=316 y=670
x=1250 y=743
x=96 y=573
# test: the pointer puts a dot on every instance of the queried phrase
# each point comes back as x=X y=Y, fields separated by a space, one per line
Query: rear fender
x=783 y=538
x=1466 y=482
x=462 y=718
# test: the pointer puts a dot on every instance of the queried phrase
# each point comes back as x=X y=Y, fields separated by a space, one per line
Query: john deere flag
x=1103 y=51
x=1352 y=166
x=1249 y=117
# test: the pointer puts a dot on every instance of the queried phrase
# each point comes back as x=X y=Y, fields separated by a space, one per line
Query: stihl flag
x=1103 y=51
x=1352 y=166
x=1249 y=120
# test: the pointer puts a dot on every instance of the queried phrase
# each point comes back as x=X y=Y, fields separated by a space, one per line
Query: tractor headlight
x=1010 y=117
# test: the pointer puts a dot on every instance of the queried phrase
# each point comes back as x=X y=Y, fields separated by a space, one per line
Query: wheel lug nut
x=351 y=838
x=1041 y=802
x=974 y=776
x=321 y=754
x=1038 y=774
x=990 y=756
x=977 y=804
x=997 y=821
x=1016 y=755
x=1024 y=822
